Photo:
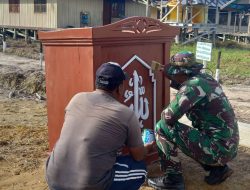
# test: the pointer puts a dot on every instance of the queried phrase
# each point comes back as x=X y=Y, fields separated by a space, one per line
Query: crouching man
x=213 y=138
x=95 y=128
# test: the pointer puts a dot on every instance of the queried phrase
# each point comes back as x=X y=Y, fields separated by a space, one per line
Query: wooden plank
x=1 y=11
x=6 y=12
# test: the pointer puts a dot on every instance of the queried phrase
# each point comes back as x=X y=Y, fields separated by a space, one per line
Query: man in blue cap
x=96 y=127
x=213 y=138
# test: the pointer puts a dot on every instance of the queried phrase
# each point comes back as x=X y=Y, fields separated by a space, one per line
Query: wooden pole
x=240 y=21
x=235 y=19
x=35 y=35
x=148 y=9
x=217 y=16
x=4 y=41
x=204 y=66
x=26 y=35
x=14 y=34
x=217 y=74
x=229 y=17
x=186 y=12
x=248 y=30
x=41 y=55
x=214 y=37
x=186 y=20
x=161 y=13
x=178 y=10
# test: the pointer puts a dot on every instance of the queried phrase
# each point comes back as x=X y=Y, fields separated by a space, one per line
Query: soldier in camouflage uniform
x=213 y=138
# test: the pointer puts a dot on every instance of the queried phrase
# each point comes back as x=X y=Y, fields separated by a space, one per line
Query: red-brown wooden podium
x=73 y=55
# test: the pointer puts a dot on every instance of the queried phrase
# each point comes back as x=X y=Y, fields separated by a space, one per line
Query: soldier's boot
x=169 y=181
x=207 y=168
x=218 y=174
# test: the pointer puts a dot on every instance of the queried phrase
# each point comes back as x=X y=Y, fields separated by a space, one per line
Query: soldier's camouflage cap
x=183 y=62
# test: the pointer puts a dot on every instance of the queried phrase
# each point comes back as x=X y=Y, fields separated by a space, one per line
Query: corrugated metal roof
x=224 y=4
x=212 y=3
x=208 y=2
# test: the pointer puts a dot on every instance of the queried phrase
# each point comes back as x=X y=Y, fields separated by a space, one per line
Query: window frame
x=223 y=18
x=14 y=6
x=40 y=6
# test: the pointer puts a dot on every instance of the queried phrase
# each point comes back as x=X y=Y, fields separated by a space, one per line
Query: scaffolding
x=200 y=19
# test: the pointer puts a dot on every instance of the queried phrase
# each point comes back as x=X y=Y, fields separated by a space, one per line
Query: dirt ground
x=23 y=132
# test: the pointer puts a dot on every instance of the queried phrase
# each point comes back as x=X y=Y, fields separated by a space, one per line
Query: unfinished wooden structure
x=207 y=19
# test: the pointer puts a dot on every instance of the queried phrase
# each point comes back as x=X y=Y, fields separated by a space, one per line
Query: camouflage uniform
x=213 y=138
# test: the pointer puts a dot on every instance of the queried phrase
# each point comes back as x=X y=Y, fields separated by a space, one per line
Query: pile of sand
x=20 y=81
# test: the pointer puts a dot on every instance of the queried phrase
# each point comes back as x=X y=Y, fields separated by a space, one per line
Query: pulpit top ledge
x=136 y=27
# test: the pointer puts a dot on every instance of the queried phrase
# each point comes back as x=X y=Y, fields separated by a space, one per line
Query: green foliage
x=235 y=59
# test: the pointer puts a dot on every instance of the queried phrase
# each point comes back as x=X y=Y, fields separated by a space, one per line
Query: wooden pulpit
x=72 y=57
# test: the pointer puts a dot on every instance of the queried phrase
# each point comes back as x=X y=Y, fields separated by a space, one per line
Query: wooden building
x=51 y=14
x=196 y=18
x=234 y=18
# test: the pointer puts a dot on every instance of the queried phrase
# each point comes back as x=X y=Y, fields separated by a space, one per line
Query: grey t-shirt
x=96 y=126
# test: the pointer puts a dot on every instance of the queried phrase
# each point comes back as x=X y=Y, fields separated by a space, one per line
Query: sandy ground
x=24 y=144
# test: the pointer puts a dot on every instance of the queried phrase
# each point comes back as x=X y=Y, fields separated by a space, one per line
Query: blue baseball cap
x=110 y=75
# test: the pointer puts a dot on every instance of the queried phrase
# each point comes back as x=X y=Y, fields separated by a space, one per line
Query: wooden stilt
x=14 y=34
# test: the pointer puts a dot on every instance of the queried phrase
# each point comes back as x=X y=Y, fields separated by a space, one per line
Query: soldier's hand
x=150 y=147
